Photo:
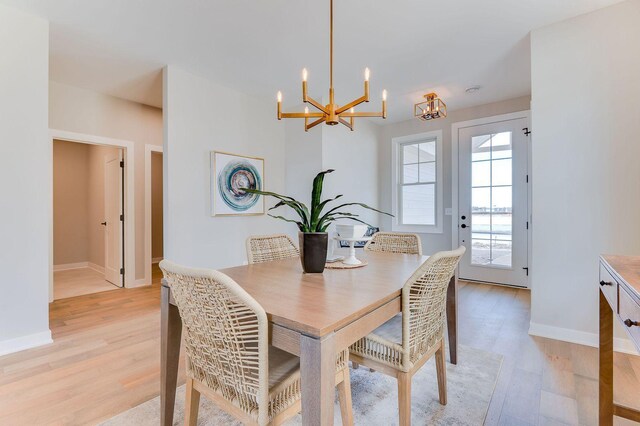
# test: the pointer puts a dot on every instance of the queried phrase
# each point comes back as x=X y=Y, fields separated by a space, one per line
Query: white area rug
x=470 y=385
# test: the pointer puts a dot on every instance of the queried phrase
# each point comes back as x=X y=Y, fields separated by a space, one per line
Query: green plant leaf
x=316 y=196
x=300 y=225
x=333 y=210
x=315 y=223
x=296 y=205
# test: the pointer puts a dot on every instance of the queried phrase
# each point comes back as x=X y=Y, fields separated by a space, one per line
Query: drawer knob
x=629 y=323
x=603 y=283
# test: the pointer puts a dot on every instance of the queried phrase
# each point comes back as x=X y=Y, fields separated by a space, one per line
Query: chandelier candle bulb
x=279 y=105
x=384 y=104
x=304 y=74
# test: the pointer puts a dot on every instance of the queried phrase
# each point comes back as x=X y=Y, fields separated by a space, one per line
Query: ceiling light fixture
x=472 y=89
x=331 y=113
x=430 y=109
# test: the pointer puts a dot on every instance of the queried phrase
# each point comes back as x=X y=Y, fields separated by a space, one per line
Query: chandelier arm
x=316 y=104
x=361 y=114
x=346 y=123
x=352 y=104
x=314 y=124
x=303 y=115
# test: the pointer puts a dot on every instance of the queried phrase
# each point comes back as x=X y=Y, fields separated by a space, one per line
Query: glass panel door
x=493 y=202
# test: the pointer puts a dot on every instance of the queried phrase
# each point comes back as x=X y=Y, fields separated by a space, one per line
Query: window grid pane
x=418 y=187
x=491 y=211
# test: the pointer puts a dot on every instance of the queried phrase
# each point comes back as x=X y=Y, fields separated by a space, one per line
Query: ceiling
x=119 y=47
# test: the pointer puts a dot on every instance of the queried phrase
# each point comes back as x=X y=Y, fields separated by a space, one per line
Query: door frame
x=148 y=149
x=455 y=128
x=129 y=200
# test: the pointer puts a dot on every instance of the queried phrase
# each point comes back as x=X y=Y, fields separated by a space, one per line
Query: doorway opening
x=153 y=213
x=88 y=218
x=491 y=162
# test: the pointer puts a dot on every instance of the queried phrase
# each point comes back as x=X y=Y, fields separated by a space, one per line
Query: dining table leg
x=318 y=379
x=452 y=320
x=170 y=335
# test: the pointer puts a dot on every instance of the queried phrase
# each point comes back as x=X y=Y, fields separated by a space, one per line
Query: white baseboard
x=25 y=342
x=67 y=266
x=99 y=269
x=579 y=337
x=156 y=260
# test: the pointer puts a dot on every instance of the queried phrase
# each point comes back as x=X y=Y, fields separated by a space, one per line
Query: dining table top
x=318 y=304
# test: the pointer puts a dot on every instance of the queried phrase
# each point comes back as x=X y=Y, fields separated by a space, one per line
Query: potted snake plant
x=313 y=222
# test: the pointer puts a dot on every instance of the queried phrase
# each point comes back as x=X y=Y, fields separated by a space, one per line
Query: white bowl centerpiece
x=351 y=231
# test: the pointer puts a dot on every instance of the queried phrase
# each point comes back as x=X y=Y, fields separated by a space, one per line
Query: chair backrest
x=424 y=298
x=226 y=336
x=265 y=248
x=395 y=242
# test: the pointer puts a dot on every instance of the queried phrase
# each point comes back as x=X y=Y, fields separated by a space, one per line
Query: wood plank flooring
x=78 y=282
x=105 y=359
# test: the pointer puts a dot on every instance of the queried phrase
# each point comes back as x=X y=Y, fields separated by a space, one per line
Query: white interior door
x=113 y=204
x=493 y=202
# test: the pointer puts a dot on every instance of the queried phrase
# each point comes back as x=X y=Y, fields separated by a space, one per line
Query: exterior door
x=113 y=204
x=493 y=202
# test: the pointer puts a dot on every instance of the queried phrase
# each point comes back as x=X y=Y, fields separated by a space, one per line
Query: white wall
x=585 y=110
x=434 y=242
x=83 y=111
x=354 y=157
x=25 y=181
x=201 y=116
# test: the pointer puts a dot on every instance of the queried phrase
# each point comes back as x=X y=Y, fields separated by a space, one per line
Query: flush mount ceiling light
x=472 y=89
x=332 y=113
x=430 y=109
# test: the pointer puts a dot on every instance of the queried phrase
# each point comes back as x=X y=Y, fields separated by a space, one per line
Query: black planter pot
x=313 y=251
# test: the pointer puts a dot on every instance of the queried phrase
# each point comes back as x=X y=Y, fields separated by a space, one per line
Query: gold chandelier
x=430 y=109
x=332 y=113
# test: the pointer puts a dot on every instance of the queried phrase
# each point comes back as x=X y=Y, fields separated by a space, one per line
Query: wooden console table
x=619 y=297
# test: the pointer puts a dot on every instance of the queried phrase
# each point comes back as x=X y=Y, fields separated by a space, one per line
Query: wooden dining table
x=312 y=316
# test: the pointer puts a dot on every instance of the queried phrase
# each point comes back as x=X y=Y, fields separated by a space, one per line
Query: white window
x=417 y=183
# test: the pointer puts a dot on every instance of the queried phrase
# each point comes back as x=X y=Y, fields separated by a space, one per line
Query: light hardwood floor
x=105 y=359
x=78 y=282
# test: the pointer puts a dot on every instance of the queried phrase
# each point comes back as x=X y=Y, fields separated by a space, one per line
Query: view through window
x=491 y=200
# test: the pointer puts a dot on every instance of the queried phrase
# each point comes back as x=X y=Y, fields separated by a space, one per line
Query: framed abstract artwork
x=230 y=174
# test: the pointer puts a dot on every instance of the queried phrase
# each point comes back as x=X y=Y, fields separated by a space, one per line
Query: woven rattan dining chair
x=401 y=346
x=229 y=359
x=395 y=242
x=265 y=248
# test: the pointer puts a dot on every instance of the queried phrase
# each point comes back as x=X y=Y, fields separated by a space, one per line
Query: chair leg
x=344 y=395
x=441 y=370
x=404 y=398
x=192 y=403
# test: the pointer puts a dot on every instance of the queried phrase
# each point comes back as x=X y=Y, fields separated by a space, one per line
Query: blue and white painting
x=230 y=175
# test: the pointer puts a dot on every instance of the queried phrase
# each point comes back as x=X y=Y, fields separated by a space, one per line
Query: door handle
x=103 y=223
x=463 y=226
x=630 y=323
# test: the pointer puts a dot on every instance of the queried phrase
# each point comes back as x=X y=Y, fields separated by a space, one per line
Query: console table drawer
x=609 y=287
x=630 y=315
